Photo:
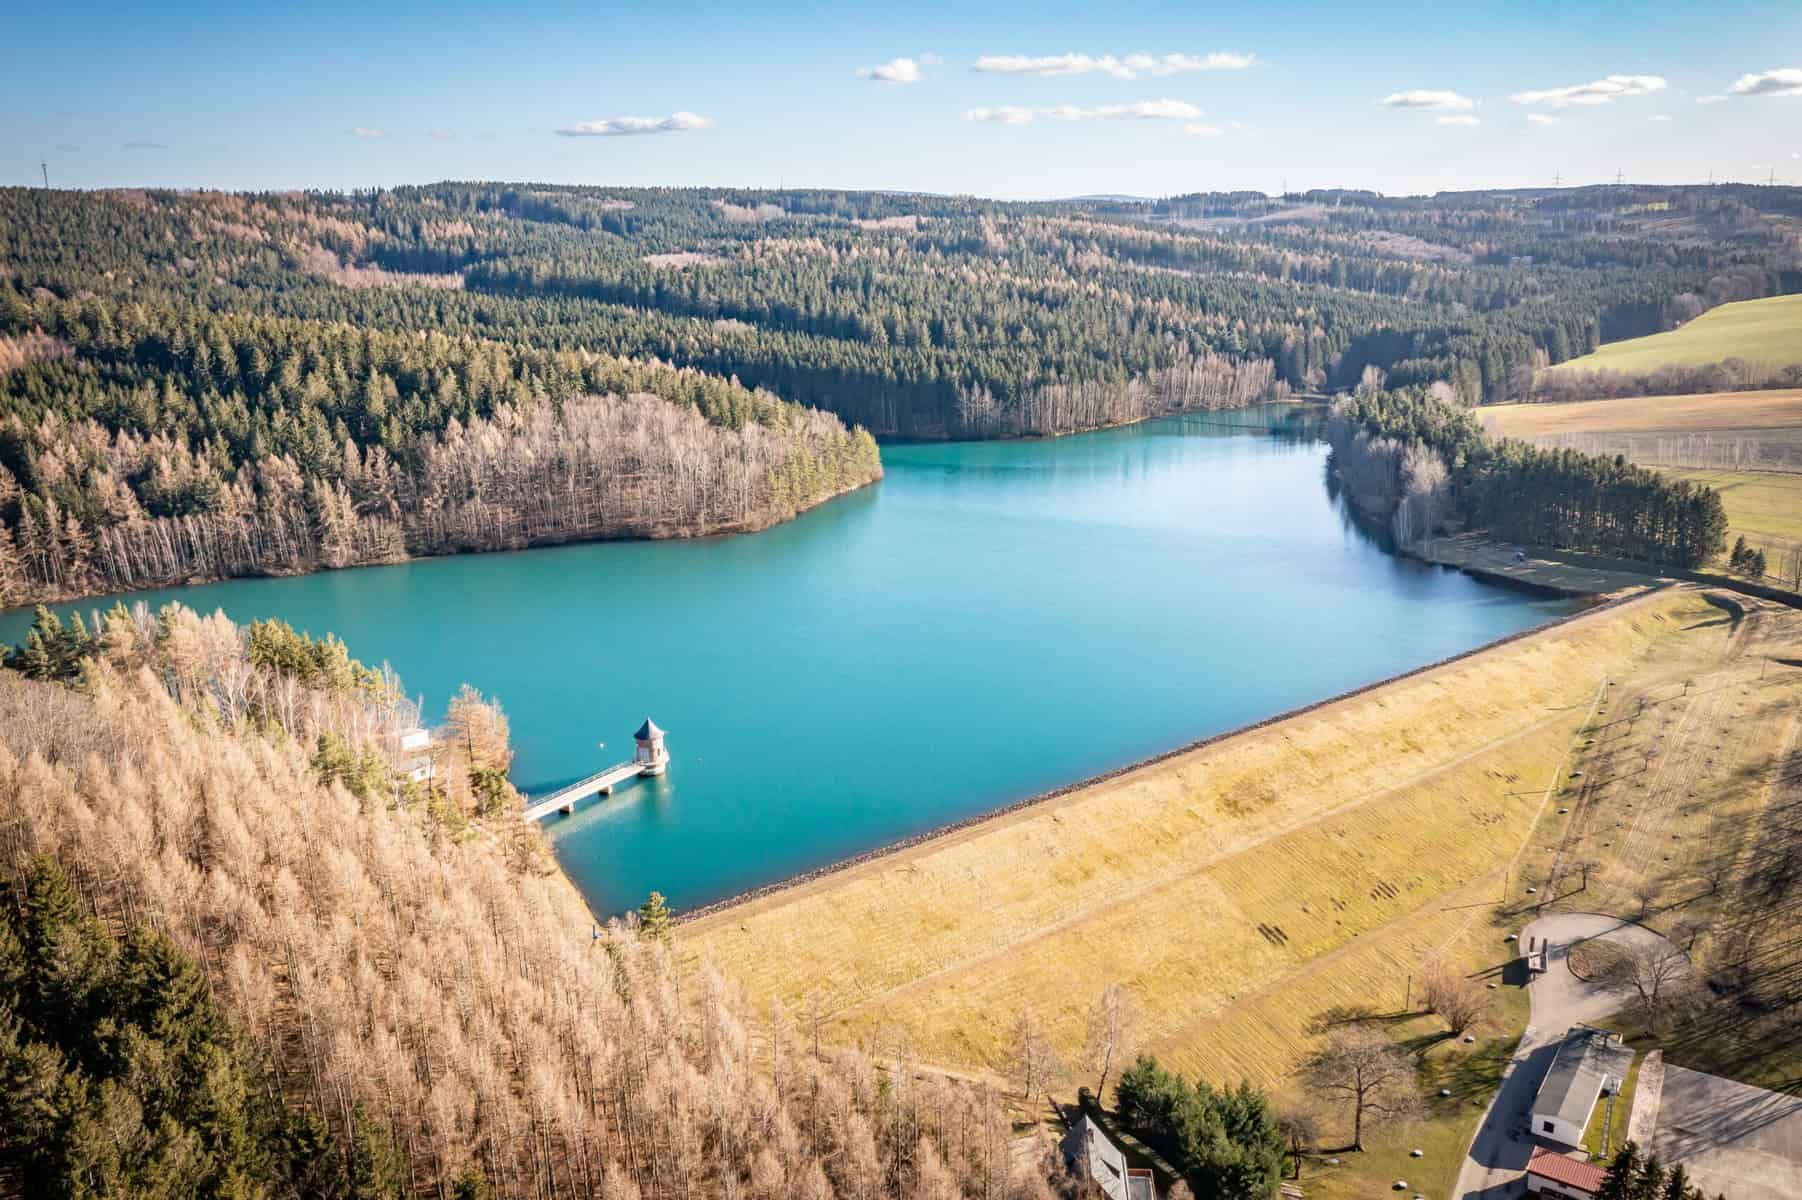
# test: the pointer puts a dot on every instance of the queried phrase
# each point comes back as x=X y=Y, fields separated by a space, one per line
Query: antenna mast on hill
x=1557 y=179
x=1618 y=177
x=45 y=168
x=1771 y=179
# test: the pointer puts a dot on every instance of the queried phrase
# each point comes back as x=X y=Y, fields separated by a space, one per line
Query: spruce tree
x=654 y=918
x=1623 y=1175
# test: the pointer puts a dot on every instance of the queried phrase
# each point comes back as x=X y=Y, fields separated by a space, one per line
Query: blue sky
x=1010 y=101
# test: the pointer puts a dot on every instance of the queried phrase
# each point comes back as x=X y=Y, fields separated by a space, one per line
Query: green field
x=1768 y=332
x=1765 y=508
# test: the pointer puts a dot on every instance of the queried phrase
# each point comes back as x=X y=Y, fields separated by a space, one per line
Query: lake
x=993 y=620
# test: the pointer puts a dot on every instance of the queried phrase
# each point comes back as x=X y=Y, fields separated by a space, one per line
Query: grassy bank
x=1240 y=892
x=1767 y=332
x=1254 y=890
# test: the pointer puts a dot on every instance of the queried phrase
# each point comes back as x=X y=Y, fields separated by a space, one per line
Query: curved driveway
x=1497 y=1158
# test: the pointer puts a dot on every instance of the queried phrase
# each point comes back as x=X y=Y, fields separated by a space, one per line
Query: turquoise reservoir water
x=991 y=621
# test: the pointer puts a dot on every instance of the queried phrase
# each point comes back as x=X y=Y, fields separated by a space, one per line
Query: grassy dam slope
x=1251 y=889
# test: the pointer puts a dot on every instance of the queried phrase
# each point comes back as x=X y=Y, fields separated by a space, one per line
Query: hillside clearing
x=1767 y=332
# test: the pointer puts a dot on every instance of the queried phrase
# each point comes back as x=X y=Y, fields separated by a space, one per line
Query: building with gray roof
x=1589 y=1063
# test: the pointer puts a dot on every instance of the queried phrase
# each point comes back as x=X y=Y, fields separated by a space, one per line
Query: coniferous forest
x=197 y=385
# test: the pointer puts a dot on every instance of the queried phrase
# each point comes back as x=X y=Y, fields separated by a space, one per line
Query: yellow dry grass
x=1703 y=413
x=1238 y=891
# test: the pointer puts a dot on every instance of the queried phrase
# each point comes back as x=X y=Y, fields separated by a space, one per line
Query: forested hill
x=188 y=389
x=196 y=384
x=242 y=955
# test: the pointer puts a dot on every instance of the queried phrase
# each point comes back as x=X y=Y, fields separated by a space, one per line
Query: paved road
x=1497 y=1158
x=1734 y=1139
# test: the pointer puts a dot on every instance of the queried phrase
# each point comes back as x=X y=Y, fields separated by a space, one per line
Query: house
x=1590 y=1063
x=1550 y=1173
x=417 y=743
x=1087 y=1151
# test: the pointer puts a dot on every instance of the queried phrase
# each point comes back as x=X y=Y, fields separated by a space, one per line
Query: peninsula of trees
x=1412 y=458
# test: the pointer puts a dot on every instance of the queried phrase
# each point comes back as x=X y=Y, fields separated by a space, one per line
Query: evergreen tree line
x=1633 y=1176
x=890 y=319
x=1225 y=1142
x=1510 y=489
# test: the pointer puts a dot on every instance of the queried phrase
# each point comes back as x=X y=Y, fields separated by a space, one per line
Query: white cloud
x=1144 y=110
x=1711 y=99
x=1542 y=118
x=629 y=126
x=1423 y=98
x=1201 y=129
x=930 y=60
x=1130 y=66
x=1460 y=120
x=896 y=70
x=1602 y=91
x=441 y=135
x=1784 y=81
x=1006 y=114
x=1658 y=117
x=363 y=131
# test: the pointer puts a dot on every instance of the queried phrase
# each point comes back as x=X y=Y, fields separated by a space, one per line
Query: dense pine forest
x=1418 y=460
x=243 y=955
x=197 y=385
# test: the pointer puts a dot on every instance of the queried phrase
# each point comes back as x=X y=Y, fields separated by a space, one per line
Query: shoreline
x=726 y=531
x=951 y=828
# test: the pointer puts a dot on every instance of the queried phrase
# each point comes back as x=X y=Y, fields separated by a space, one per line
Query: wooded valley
x=196 y=384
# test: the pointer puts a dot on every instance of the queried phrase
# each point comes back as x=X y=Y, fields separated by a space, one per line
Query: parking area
x=1742 y=1141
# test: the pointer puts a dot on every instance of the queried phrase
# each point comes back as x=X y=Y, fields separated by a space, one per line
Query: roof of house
x=648 y=731
x=1087 y=1149
x=1587 y=1059
x=1562 y=1168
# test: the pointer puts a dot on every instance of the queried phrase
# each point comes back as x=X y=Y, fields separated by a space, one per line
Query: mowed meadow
x=1765 y=332
x=1240 y=891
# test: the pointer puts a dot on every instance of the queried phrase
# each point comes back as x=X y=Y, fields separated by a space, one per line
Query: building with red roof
x=1550 y=1173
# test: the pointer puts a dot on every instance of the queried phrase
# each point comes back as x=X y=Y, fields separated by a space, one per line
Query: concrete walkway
x=1497 y=1159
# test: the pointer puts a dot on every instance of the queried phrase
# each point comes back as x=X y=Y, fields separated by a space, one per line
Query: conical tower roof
x=648 y=732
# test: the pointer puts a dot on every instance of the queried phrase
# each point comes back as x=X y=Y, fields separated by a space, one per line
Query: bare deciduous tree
x=1361 y=1067
x=1112 y=1034
x=1457 y=1000
x=1301 y=1129
x=1657 y=981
